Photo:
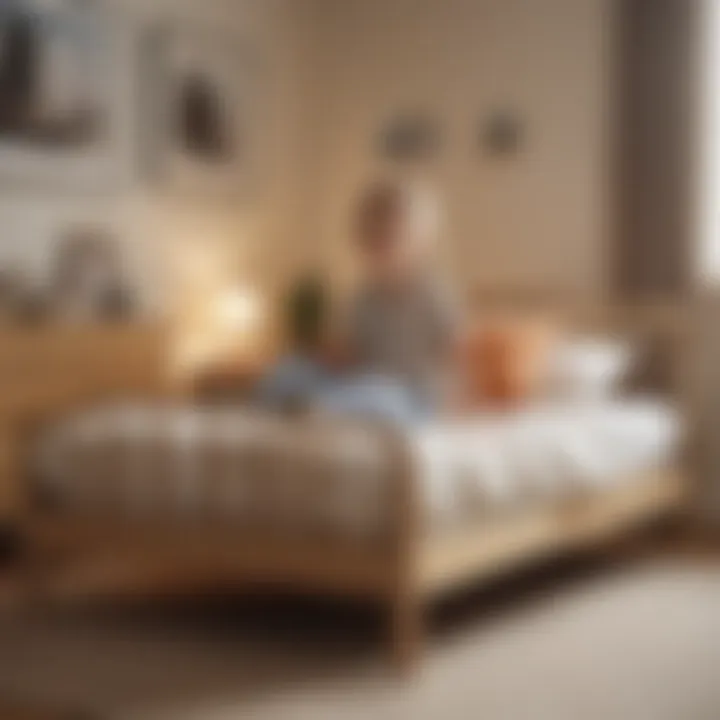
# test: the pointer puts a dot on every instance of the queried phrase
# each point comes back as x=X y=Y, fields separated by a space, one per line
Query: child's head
x=396 y=228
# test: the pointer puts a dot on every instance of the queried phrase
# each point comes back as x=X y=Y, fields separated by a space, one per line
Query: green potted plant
x=306 y=313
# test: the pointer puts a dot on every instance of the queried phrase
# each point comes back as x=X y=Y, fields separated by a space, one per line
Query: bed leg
x=406 y=633
x=406 y=602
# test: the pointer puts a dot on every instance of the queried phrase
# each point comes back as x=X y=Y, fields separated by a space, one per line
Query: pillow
x=589 y=368
x=506 y=361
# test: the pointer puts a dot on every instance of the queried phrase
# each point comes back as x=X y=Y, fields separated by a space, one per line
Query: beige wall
x=163 y=231
x=536 y=219
x=335 y=71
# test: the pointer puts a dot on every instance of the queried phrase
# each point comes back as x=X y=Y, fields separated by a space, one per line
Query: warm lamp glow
x=226 y=325
x=239 y=310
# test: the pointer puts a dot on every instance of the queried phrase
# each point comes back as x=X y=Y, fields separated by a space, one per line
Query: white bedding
x=500 y=460
x=235 y=464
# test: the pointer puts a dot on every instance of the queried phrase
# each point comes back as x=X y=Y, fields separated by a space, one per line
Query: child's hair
x=387 y=201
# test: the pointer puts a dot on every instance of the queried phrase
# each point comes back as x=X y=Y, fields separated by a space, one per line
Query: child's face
x=394 y=250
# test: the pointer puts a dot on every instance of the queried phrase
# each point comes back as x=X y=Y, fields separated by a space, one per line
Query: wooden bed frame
x=405 y=572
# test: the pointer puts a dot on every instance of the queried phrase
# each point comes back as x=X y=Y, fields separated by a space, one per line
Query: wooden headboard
x=46 y=371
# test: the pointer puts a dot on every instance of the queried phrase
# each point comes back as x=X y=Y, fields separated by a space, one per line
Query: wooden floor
x=20 y=711
x=301 y=642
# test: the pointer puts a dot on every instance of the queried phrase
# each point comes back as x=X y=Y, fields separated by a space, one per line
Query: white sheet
x=500 y=460
x=244 y=467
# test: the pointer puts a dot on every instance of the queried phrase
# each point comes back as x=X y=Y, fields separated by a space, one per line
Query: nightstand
x=228 y=381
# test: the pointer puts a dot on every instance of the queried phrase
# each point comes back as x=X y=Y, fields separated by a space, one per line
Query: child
x=400 y=333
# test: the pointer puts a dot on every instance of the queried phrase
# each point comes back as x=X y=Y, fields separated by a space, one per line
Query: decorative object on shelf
x=21 y=300
x=410 y=137
x=306 y=313
x=229 y=381
x=62 y=108
x=203 y=98
x=88 y=279
x=240 y=315
x=10 y=288
x=32 y=306
x=501 y=134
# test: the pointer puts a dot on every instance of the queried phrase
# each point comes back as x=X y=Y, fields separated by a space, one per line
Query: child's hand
x=336 y=355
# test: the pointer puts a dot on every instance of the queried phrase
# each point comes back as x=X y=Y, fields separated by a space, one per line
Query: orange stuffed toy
x=506 y=360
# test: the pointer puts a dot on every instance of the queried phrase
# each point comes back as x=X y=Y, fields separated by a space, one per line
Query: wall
x=167 y=235
x=539 y=219
x=336 y=70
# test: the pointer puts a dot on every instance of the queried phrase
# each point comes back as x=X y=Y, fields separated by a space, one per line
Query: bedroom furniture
x=44 y=368
x=405 y=570
x=225 y=381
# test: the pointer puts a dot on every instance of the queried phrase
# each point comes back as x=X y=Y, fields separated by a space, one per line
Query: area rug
x=641 y=642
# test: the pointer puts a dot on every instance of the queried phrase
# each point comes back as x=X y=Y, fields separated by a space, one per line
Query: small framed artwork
x=63 y=110
x=501 y=134
x=409 y=137
x=203 y=102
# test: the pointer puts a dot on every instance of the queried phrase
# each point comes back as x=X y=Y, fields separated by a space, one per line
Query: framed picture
x=203 y=95
x=409 y=137
x=501 y=134
x=63 y=110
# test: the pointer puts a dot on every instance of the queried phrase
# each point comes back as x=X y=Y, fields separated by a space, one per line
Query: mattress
x=243 y=466
x=500 y=461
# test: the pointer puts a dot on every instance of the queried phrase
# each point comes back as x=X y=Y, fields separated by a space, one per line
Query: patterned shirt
x=406 y=332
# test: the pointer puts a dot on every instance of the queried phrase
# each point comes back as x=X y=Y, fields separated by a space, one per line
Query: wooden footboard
x=404 y=570
x=81 y=555
x=473 y=552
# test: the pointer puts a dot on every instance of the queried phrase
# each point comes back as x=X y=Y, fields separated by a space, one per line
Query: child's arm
x=338 y=354
x=340 y=351
x=450 y=332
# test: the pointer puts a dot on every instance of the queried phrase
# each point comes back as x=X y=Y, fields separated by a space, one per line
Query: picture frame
x=65 y=95
x=410 y=137
x=203 y=103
